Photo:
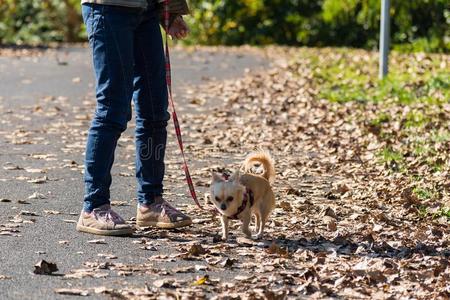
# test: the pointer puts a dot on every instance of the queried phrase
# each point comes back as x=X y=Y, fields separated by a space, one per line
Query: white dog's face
x=226 y=195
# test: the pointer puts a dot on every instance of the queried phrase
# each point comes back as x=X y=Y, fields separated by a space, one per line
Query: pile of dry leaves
x=351 y=221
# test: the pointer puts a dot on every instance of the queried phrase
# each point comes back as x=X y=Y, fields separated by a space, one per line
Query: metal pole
x=384 y=38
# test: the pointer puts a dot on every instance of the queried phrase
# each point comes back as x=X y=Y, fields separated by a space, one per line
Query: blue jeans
x=128 y=58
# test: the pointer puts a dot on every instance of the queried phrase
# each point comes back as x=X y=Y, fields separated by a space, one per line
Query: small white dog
x=242 y=196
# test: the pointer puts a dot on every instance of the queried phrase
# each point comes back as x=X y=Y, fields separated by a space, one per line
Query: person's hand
x=179 y=29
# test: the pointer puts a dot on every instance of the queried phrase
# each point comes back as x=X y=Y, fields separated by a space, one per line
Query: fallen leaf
x=330 y=222
x=197 y=250
x=164 y=283
x=108 y=256
x=227 y=262
x=201 y=281
x=10 y=166
x=275 y=249
x=28 y=213
x=45 y=268
x=69 y=221
x=72 y=292
x=329 y=212
x=37 y=195
x=39 y=180
x=97 y=241
x=200 y=268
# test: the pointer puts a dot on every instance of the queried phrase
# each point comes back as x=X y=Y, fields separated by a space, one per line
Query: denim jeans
x=128 y=59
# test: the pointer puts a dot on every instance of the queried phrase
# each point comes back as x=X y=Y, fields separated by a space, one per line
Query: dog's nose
x=223 y=207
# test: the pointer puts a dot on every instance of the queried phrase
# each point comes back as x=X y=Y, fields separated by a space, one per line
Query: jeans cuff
x=149 y=199
x=90 y=206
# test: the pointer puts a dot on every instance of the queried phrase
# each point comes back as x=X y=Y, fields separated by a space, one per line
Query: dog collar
x=248 y=197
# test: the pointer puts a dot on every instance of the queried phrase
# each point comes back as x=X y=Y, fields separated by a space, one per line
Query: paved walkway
x=46 y=102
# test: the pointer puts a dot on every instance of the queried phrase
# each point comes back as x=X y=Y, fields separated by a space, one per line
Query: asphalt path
x=46 y=102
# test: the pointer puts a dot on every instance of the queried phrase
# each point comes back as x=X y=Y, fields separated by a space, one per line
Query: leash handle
x=176 y=123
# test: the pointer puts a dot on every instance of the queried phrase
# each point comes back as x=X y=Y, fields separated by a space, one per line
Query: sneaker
x=161 y=215
x=103 y=221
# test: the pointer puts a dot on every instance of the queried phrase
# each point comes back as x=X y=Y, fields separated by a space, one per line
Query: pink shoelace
x=107 y=214
x=167 y=208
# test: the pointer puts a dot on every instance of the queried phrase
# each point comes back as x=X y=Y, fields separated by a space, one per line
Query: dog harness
x=248 y=197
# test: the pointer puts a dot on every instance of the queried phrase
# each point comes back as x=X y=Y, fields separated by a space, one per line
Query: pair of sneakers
x=104 y=221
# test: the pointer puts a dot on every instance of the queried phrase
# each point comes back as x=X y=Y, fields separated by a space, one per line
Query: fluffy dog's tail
x=255 y=160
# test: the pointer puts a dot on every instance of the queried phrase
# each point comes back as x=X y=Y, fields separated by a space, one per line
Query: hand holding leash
x=178 y=29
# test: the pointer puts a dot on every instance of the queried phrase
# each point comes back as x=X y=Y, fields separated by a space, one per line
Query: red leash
x=176 y=123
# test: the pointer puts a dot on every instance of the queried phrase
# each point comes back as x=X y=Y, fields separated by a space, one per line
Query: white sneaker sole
x=111 y=232
x=163 y=225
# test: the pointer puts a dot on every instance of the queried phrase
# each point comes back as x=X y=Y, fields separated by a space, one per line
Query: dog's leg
x=224 y=221
x=258 y=222
x=245 y=224
x=260 y=233
x=265 y=212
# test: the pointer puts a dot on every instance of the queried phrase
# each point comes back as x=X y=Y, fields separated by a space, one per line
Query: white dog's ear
x=235 y=177
x=216 y=177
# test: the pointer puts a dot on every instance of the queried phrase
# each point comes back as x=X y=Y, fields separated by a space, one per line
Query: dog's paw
x=259 y=236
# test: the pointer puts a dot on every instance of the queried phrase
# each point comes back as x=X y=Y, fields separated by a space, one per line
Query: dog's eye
x=217 y=199
x=229 y=199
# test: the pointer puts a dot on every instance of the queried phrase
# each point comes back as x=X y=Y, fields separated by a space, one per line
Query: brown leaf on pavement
x=72 y=292
x=196 y=250
x=45 y=268
x=97 y=241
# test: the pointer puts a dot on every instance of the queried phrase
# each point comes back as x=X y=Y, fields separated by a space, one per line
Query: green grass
x=416 y=118
x=392 y=159
x=405 y=111
x=424 y=193
x=349 y=86
x=422 y=211
x=412 y=94
x=380 y=119
x=444 y=212
x=346 y=79
x=425 y=212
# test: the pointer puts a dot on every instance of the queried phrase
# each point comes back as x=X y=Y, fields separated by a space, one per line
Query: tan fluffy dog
x=242 y=196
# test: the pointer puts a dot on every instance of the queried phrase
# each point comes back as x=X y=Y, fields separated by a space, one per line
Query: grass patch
x=444 y=212
x=392 y=159
x=425 y=212
x=407 y=112
x=412 y=95
x=380 y=119
x=415 y=118
x=348 y=78
x=424 y=193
